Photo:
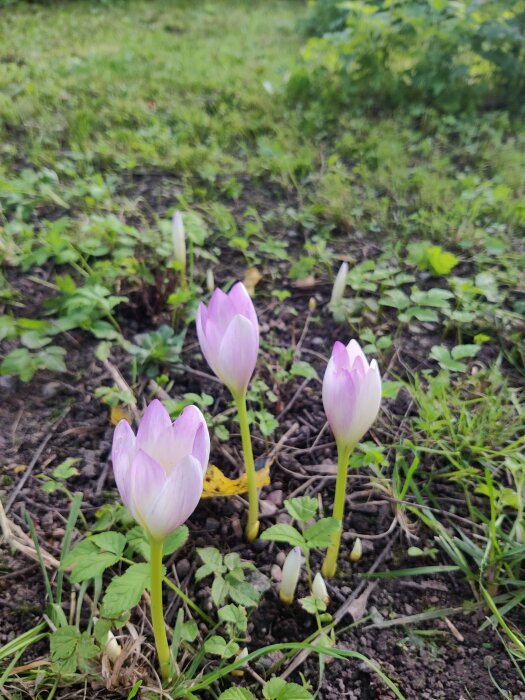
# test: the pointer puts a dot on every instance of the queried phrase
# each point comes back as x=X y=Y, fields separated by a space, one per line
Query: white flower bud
x=357 y=550
x=319 y=589
x=290 y=575
x=179 y=239
x=113 y=648
x=210 y=280
x=339 y=287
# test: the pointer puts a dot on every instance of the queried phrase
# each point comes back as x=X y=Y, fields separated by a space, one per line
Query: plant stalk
x=330 y=562
x=157 y=615
x=252 y=527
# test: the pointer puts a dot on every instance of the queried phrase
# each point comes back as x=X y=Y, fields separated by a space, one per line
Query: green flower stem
x=157 y=615
x=330 y=562
x=252 y=527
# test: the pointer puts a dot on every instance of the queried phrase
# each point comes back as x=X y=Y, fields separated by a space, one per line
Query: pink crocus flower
x=228 y=333
x=351 y=393
x=160 y=472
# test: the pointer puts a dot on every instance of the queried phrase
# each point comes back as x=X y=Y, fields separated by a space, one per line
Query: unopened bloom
x=339 y=287
x=160 y=472
x=351 y=393
x=357 y=550
x=290 y=576
x=228 y=333
x=179 y=239
x=319 y=589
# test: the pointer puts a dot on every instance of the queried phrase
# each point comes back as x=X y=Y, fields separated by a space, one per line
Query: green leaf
x=283 y=533
x=71 y=650
x=212 y=562
x=236 y=694
x=279 y=689
x=92 y=556
x=441 y=354
x=217 y=645
x=395 y=298
x=219 y=590
x=312 y=604
x=303 y=508
x=320 y=533
x=461 y=351
x=390 y=390
x=243 y=593
x=176 y=539
x=303 y=369
x=189 y=631
x=66 y=468
x=235 y=615
x=440 y=261
x=124 y=592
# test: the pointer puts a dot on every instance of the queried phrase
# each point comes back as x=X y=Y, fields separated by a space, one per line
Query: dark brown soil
x=432 y=659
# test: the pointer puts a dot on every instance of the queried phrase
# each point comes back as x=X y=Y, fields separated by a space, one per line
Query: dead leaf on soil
x=251 y=279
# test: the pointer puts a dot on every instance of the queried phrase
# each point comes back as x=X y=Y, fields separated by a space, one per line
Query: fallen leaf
x=252 y=279
x=217 y=484
x=117 y=414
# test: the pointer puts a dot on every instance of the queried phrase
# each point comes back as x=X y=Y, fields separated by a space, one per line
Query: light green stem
x=330 y=562
x=252 y=527
x=157 y=615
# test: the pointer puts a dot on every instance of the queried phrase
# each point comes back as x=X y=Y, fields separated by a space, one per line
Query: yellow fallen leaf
x=117 y=413
x=216 y=484
x=19 y=468
x=252 y=279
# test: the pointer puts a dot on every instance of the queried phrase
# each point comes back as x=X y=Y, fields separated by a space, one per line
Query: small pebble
x=183 y=566
x=276 y=573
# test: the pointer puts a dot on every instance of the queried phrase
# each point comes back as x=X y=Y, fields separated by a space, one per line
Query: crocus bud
x=290 y=576
x=319 y=589
x=160 y=472
x=228 y=333
x=179 y=239
x=357 y=550
x=339 y=287
x=351 y=393
x=210 y=280
x=113 y=648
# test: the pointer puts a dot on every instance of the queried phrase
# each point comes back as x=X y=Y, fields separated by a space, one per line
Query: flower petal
x=153 y=423
x=243 y=304
x=368 y=402
x=354 y=351
x=122 y=451
x=147 y=480
x=339 y=401
x=178 y=498
x=191 y=437
x=238 y=354
x=221 y=310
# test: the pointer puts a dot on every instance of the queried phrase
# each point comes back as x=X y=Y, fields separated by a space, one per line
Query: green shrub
x=453 y=55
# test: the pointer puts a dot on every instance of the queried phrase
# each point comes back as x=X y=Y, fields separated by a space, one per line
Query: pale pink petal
x=177 y=499
x=165 y=450
x=340 y=356
x=354 y=351
x=221 y=310
x=243 y=304
x=339 y=401
x=360 y=367
x=368 y=402
x=238 y=354
x=147 y=480
x=122 y=452
x=191 y=436
x=154 y=421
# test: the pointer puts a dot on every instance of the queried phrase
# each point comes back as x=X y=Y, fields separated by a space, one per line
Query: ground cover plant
x=200 y=207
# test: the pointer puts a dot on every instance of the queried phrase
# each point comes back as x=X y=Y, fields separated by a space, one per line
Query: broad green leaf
x=283 y=533
x=440 y=261
x=219 y=589
x=303 y=369
x=92 y=556
x=312 y=604
x=320 y=533
x=235 y=615
x=236 y=694
x=176 y=539
x=461 y=351
x=217 y=645
x=279 y=689
x=124 y=592
x=303 y=508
